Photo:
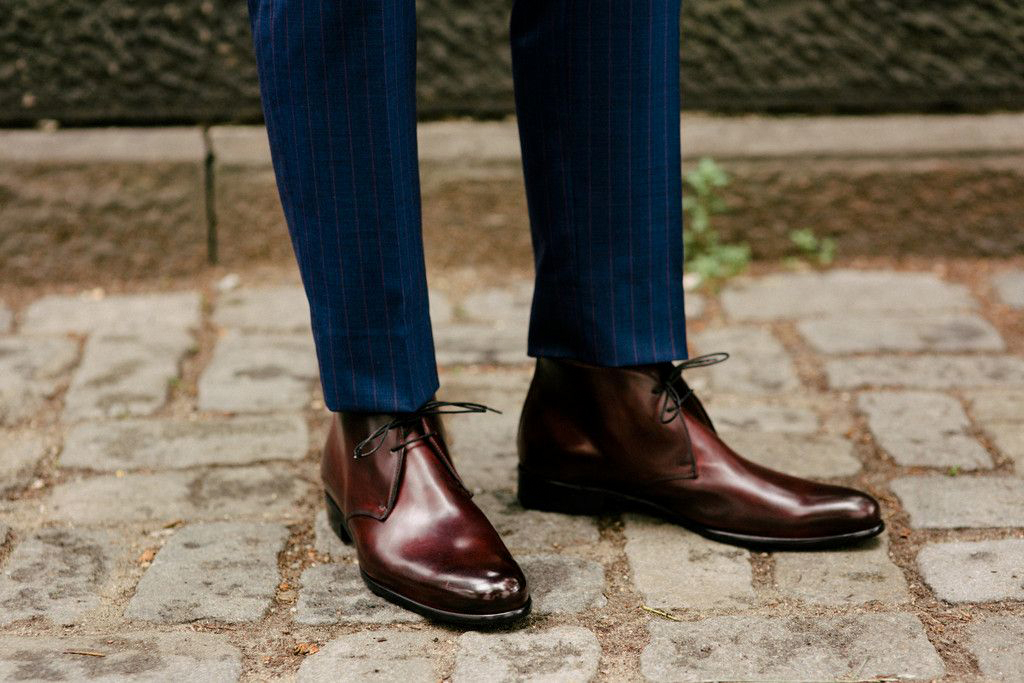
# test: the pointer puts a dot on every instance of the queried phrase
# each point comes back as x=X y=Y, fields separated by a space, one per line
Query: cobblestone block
x=677 y=569
x=484 y=446
x=36 y=358
x=561 y=584
x=974 y=571
x=862 y=573
x=259 y=372
x=860 y=333
x=484 y=449
x=997 y=640
x=501 y=388
x=276 y=309
x=56 y=574
x=136 y=313
x=6 y=318
x=923 y=428
x=532 y=530
x=178 y=443
x=125 y=373
x=740 y=414
x=801 y=455
x=378 y=656
x=695 y=305
x=1001 y=415
x=261 y=492
x=806 y=295
x=997 y=405
x=224 y=570
x=759 y=364
x=441 y=308
x=120 y=657
x=326 y=541
x=925 y=372
x=1009 y=288
x=564 y=653
x=1008 y=438
x=504 y=306
x=335 y=593
x=812 y=648
x=20 y=452
x=471 y=342
x=939 y=502
x=32 y=368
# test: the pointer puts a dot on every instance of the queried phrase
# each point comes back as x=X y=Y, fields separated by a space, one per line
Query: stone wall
x=190 y=60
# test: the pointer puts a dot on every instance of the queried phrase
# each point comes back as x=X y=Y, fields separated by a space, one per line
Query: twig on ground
x=659 y=613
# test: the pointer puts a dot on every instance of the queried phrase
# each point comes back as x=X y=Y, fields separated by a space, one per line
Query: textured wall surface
x=853 y=54
x=190 y=60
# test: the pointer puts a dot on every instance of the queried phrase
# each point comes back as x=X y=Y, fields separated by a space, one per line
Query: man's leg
x=597 y=100
x=337 y=82
x=609 y=422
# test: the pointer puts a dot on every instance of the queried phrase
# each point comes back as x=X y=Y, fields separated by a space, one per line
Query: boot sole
x=552 y=496
x=337 y=523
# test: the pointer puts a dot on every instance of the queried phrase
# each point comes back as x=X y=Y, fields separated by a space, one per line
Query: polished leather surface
x=415 y=528
x=602 y=429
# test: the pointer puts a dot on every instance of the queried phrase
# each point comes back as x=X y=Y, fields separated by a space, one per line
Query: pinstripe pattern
x=335 y=82
x=672 y=179
x=601 y=128
x=596 y=86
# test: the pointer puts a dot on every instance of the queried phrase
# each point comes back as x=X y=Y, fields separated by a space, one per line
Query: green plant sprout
x=818 y=250
x=706 y=255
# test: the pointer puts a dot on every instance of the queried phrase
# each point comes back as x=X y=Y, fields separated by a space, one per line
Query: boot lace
x=669 y=384
x=376 y=439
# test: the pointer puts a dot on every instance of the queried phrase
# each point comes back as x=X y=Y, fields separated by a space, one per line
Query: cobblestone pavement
x=160 y=516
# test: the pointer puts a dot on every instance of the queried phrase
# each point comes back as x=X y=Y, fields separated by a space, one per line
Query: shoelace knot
x=402 y=419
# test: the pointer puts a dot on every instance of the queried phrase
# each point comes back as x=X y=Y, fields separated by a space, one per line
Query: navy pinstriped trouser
x=597 y=101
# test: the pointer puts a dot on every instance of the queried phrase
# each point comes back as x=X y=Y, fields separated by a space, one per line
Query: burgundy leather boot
x=595 y=439
x=392 y=490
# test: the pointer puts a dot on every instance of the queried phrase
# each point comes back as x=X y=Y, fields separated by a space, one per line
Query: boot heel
x=336 y=520
x=541 y=494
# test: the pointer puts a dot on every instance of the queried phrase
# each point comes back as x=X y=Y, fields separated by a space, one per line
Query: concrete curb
x=736 y=137
x=124 y=200
x=170 y=200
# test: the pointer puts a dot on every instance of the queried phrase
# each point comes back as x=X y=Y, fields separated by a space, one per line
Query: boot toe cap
x=866 y=511
x=849 y=512
x=496 y=592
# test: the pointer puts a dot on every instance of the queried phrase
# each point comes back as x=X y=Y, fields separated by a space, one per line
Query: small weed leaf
x=704 y=252
x=813 y=249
